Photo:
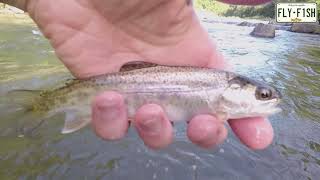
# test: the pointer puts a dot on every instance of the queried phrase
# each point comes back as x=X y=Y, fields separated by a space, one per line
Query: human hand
x=94 y=37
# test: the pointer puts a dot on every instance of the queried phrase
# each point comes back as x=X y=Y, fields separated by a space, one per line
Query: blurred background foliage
x=261 y=11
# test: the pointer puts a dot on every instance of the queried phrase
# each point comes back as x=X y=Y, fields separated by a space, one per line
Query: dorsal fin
x=136 y=65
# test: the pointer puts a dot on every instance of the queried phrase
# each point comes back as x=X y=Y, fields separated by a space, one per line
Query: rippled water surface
x=290 y=61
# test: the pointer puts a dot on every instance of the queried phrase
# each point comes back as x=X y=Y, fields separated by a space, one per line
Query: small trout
x=183 y=92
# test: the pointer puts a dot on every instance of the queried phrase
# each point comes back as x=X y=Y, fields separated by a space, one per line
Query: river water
x=290 y=61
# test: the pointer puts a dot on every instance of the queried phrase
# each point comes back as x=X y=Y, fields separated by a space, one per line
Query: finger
x=206 y=131
x=109 y=116
x=256 y=133
x=217 y=61
x=153 y=126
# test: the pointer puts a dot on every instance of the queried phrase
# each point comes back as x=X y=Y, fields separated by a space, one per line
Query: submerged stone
x=306 y=28
x=264 y=30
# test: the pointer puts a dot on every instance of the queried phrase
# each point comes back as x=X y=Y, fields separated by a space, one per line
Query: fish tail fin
x=23 y=98
x=28 y=120
x=31 y=119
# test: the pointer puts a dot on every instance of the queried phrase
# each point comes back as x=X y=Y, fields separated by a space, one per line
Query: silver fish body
x=183 y=92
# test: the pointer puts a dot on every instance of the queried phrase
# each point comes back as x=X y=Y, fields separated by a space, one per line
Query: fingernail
x=151 y=126
x=107 y=111
x=107 y=104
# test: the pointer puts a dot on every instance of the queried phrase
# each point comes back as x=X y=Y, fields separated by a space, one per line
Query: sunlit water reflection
x=290 y=61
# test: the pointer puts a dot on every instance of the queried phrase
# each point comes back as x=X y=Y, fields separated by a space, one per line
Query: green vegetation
x=261 y=11
x=212 y=6
x=266 y=10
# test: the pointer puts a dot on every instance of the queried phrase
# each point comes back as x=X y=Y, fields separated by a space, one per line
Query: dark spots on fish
x=243 y=81
x=41 y=106
x=96 y=88
x=82 y=95
x=63 y=99
x=71 y=82
x=189 y=2
x=240 y=80
x=44 y=94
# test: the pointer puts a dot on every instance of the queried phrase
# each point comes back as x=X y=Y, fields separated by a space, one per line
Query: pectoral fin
x=74 y=121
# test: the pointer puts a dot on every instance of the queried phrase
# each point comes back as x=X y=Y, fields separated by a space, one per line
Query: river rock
x=306 y=28
x=246 y=23
x=264 y=30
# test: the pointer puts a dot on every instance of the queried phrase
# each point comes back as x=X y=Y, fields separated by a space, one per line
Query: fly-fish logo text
x=296 y=12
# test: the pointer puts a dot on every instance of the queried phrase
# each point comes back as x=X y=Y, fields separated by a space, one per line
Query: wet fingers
x=206 y=131
x=256 y=133
x=109 y=116
x=153 y=126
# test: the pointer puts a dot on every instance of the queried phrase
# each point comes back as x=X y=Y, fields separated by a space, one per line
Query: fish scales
x=168 y=87
x=182 y=92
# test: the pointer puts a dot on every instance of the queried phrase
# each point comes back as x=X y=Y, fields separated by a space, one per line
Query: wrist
x=20 y=4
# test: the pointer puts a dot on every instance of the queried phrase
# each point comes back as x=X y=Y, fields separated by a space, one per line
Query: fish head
x=245 y=97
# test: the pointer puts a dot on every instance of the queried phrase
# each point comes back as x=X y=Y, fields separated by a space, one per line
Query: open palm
x=94 y=37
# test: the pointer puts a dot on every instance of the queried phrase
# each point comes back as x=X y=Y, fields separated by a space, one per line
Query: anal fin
x=75 y=121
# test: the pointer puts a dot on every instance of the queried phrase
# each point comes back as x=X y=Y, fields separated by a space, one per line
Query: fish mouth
x=271 y=107
x=263 y=109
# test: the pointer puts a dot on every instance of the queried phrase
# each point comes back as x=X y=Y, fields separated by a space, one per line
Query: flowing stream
x=290 y=61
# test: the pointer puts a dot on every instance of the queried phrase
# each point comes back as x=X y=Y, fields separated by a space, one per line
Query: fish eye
x=263 y=93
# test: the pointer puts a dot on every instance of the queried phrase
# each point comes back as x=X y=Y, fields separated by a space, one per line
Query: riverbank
x=243 y=11
x=204 y=15
x=209 y=17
